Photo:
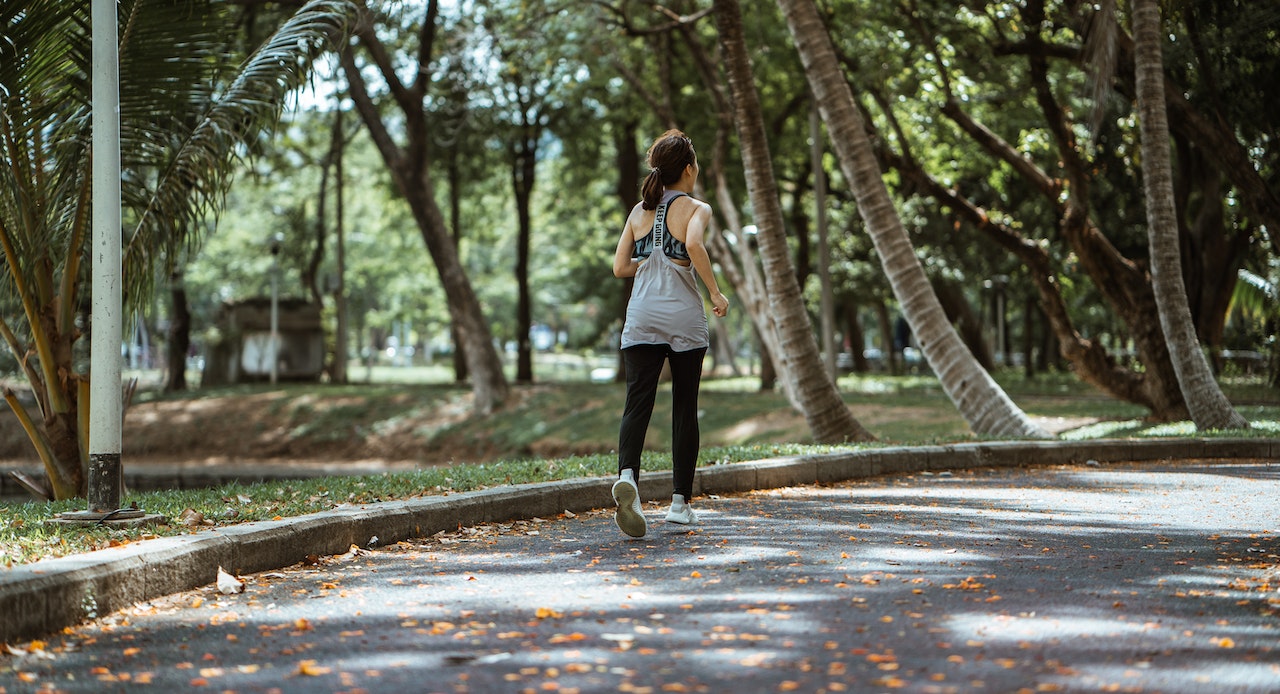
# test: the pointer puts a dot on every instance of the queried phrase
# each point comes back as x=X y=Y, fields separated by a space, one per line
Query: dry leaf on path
x=228 y=584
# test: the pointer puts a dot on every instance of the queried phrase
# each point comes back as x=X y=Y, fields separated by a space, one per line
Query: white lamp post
x=106 y=409
x=106 y=322
x=273 y=348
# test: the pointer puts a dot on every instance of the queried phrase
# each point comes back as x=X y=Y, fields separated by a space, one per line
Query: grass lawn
x=550 y=431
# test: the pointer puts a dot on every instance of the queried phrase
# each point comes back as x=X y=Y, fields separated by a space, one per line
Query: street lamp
x=273 y=346
x=105 y=479
x=998 y=284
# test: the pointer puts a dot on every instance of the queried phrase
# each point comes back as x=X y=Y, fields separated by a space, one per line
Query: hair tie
x=655 y=170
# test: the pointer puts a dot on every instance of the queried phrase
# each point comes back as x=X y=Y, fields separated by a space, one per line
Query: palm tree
x=815 y=392
x=979 y=399
x=1208 y=405
x=188 y=110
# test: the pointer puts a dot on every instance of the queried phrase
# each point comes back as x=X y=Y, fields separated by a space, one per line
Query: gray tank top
x=666 y=306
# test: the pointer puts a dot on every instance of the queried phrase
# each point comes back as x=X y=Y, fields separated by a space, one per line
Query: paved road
x=1134 y=579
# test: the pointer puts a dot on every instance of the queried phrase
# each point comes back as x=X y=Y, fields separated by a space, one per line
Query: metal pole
x=273 y=351
x=1002 y=282
x=106 y=321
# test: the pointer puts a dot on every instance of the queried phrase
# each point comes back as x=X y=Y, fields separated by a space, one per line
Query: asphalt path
x=1150 y=578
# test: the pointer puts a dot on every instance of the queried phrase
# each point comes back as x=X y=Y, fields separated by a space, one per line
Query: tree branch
x=426 y=44
x=378 y=53
x=359 y=92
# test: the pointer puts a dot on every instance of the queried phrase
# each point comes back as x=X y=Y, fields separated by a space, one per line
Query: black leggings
x=643 y=364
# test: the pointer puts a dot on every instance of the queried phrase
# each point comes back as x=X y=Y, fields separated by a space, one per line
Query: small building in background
x=243 y=352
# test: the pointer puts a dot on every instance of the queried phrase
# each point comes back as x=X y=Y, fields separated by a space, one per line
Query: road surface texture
x=1141 y=578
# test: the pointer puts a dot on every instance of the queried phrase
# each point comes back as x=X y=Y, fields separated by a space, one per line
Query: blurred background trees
x=499 y=144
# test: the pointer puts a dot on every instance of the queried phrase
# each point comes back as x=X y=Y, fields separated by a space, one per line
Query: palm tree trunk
x=628 y=191
x=1208 y=405
x=829 y=418
x=738 y=262
x=976 y=395
x=460 y=374
x=338 y=371
x=179 y=335
x=523 y=169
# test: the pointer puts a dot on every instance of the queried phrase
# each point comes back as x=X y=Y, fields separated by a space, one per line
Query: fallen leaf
x=191 y=518
x=310 y=669
x=228 y=584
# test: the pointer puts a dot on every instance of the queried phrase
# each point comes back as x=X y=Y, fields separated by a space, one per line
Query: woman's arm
x=693 y=242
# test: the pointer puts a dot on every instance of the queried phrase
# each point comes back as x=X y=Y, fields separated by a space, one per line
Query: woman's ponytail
x=651 y=190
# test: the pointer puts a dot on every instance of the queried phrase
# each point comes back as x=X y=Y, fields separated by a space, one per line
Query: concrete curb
x=42 y=598
x=157 y=476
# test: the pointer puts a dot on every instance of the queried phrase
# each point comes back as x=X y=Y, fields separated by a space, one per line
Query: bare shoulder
x=685 y=211
x=635 y=220
x=691 y=203
x=636 y=213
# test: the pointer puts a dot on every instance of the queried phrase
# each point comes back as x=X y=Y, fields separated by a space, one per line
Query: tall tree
x=977 y=396
x=179 y=342
x=186 y=113
x=341 y=331
x=531 y=85
x=1209 y=407
x=829 y=418
x=409 y=163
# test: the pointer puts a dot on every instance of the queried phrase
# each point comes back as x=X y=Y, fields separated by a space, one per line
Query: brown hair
x=667 y=156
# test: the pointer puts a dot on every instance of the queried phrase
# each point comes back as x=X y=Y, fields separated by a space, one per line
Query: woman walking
x=662 y=246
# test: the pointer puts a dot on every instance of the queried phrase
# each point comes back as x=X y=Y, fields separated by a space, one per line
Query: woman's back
x=674 y=234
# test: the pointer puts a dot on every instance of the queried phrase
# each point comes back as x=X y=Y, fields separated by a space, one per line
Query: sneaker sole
x=682 y=520
x=628 y=517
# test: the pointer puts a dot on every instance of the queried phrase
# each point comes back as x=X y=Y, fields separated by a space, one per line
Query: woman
x=662 y=247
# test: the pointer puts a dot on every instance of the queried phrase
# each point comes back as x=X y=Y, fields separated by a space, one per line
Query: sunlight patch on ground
x=1171 y=429
x=1103 y=430
x=1123 y=428
x=1204 y=674
x=1031 y=627
x=751 y=429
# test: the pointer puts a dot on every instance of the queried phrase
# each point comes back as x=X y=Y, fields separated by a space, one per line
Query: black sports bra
x=673 y=247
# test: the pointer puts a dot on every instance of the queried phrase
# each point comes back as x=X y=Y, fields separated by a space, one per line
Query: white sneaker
x=681 y=512
x=629 y=516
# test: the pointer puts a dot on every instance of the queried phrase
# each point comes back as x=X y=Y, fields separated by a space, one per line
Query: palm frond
x=195 y=179
x=38 y=92
x=1254 y=295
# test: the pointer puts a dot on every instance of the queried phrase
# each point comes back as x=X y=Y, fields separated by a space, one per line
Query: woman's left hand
x=719 y=305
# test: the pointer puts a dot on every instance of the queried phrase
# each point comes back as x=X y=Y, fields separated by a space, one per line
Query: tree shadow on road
x=1143 y=578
